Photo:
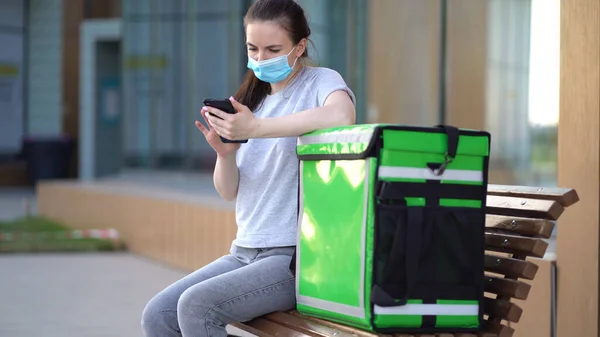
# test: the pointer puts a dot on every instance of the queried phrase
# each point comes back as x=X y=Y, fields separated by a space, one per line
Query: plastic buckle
x=447 y=160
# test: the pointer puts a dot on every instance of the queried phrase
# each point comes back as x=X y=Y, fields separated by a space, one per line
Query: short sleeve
x=328 y=81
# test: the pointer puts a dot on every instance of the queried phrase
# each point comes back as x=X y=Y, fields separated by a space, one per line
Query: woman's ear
x=301 y=47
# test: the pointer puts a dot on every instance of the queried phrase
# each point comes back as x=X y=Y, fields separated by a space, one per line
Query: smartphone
x=224 y=105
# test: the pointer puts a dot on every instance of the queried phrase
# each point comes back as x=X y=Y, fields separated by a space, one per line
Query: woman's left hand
x=239 y=126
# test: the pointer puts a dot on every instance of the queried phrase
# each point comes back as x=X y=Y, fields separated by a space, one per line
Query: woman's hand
x=239 y=126
x=222 y=149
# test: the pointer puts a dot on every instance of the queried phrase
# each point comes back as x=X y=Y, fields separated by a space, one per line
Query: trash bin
x=47 y=157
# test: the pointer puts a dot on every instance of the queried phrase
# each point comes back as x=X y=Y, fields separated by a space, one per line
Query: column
x=578 y=167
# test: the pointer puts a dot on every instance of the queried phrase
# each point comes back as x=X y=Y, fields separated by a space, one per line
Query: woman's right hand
x=213 y=139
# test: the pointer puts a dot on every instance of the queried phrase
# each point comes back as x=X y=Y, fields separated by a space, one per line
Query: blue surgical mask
x=272 y=70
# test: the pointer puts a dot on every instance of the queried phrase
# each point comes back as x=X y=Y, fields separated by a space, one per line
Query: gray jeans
x=235 y=288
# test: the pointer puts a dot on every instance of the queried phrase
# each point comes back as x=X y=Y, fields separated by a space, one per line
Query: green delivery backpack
x=391 y=227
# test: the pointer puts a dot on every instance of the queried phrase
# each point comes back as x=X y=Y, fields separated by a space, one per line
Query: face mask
x=272 y=70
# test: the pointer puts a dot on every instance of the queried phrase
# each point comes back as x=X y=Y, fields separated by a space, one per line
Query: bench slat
x=428 y=335
x=486 y=334
x=266 y=326
x=334 y=325
x=498 y=329
x=506 y=287
x=510 y=267
x=565 y=196
x=502 y=309
x=247 y=327
x=523 y=207
x=515 y=244
x=362 y=333
x=539 y=228
x=306 y=326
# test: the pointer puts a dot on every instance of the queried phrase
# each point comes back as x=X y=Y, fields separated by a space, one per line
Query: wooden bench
x=518 y=220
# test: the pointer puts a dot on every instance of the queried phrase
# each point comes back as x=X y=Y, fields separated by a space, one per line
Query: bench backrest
x=518 y=220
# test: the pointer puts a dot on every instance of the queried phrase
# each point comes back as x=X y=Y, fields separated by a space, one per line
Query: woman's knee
x=157 y=318
x=202 y=302
x=194 y=301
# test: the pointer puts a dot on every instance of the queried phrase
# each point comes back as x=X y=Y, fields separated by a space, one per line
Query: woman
x=280 y=99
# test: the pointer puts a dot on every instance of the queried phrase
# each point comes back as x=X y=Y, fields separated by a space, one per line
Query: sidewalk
x=83 y=295
x=77 y=295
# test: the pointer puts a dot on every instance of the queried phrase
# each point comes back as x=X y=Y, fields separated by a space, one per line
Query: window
x=178 y=52
x=522 y=90
x=173 y=58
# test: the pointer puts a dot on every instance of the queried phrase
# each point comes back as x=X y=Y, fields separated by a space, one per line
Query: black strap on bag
x=292 y=265
x=453 y=136
x=411 y=242
x=413 y=238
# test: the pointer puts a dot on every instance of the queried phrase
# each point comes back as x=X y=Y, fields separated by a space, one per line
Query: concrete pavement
x=83 y=295
x=77 y=294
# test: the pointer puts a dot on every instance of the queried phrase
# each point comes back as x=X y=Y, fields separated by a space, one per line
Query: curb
x=110 y=234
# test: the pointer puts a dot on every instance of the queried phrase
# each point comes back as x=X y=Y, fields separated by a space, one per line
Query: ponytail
x=252 y=91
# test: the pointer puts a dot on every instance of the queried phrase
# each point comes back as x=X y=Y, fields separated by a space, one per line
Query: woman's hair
x=290 y=16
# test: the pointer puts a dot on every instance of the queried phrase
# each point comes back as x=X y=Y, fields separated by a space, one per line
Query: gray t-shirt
x=267 y=198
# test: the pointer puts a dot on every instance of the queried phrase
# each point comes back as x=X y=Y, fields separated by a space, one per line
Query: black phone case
x=225 y=106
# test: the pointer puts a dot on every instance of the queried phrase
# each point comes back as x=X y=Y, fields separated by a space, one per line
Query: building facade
x=464 y=62
x=489 y=65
